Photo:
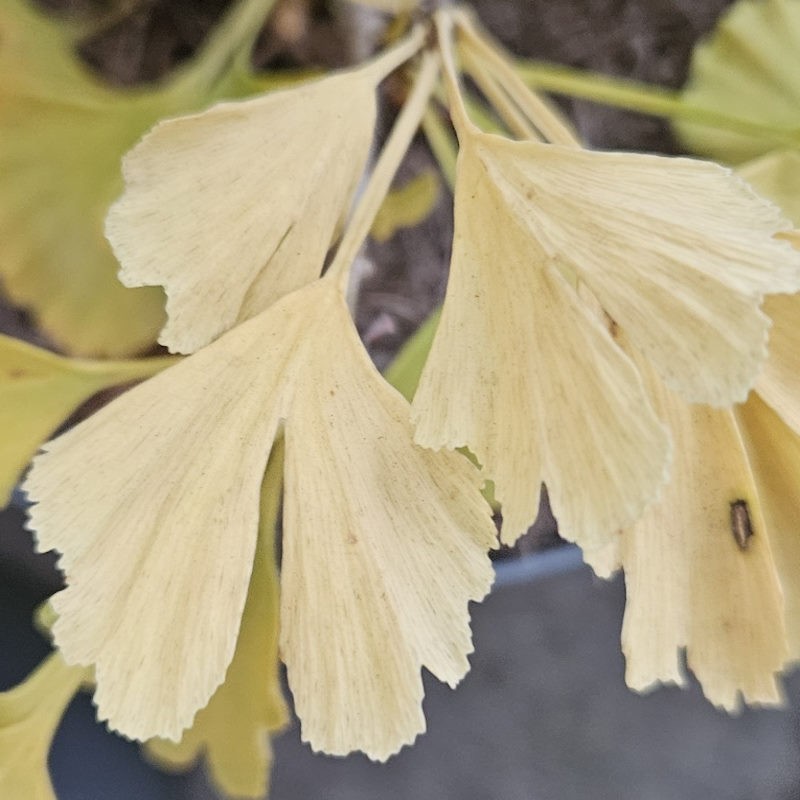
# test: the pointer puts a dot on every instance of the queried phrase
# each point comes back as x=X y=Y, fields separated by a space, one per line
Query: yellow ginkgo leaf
x=38 y=392
x=63 y=135
x=690 y=583
x=779 y=381
x=232 y=731
x=29 y=716
x=395 y=543
x=747 y=67
x=153 y=503
x=777 y=176
x=226 y=208
x=677 y=251
x=679 y=269
x=522 y=374
x=774 y=452
x=407 y=206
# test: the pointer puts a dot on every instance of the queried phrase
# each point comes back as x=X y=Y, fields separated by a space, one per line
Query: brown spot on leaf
x=741 y=526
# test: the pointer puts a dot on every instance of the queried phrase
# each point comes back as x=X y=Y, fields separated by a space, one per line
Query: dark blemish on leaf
x=741 y=527
x=611 y=324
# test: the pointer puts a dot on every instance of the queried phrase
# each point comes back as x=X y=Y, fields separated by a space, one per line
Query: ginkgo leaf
x=779 y=381
x=153 y=503
x=677 y=251
x=63 y=135
x=407 y=206
x=525 y=377
x=747 y=67
x=777 y=176
x=689 y=582
x=681 y=271
x=38 y=392
x=528 y=379
x=235 y=207
x=232 y=731
x=153 y=500
x=395 y=544
x=774 y=452
x=29 y=716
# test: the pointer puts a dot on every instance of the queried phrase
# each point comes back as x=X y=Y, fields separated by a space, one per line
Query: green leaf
x=407 y=206
x=63 y=135
x=749 y=65
x=40 y=390
x=405 y=370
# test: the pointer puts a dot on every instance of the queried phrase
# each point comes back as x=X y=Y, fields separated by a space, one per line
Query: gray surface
x=544 y=715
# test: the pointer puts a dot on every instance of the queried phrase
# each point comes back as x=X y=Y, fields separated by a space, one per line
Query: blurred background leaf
x=407 y=206
x=63 y=134
x=747 y=67
x=40 y=390
x=777 y=176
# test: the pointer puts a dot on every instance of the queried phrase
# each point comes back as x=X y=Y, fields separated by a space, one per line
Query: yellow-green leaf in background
x=39 y=390
x=405 y=370
x=391 y=6
x=748 y=67
x=44 y=617
x=62 y=135
x=777 y=176
x=407 y=206
x=29 y=716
